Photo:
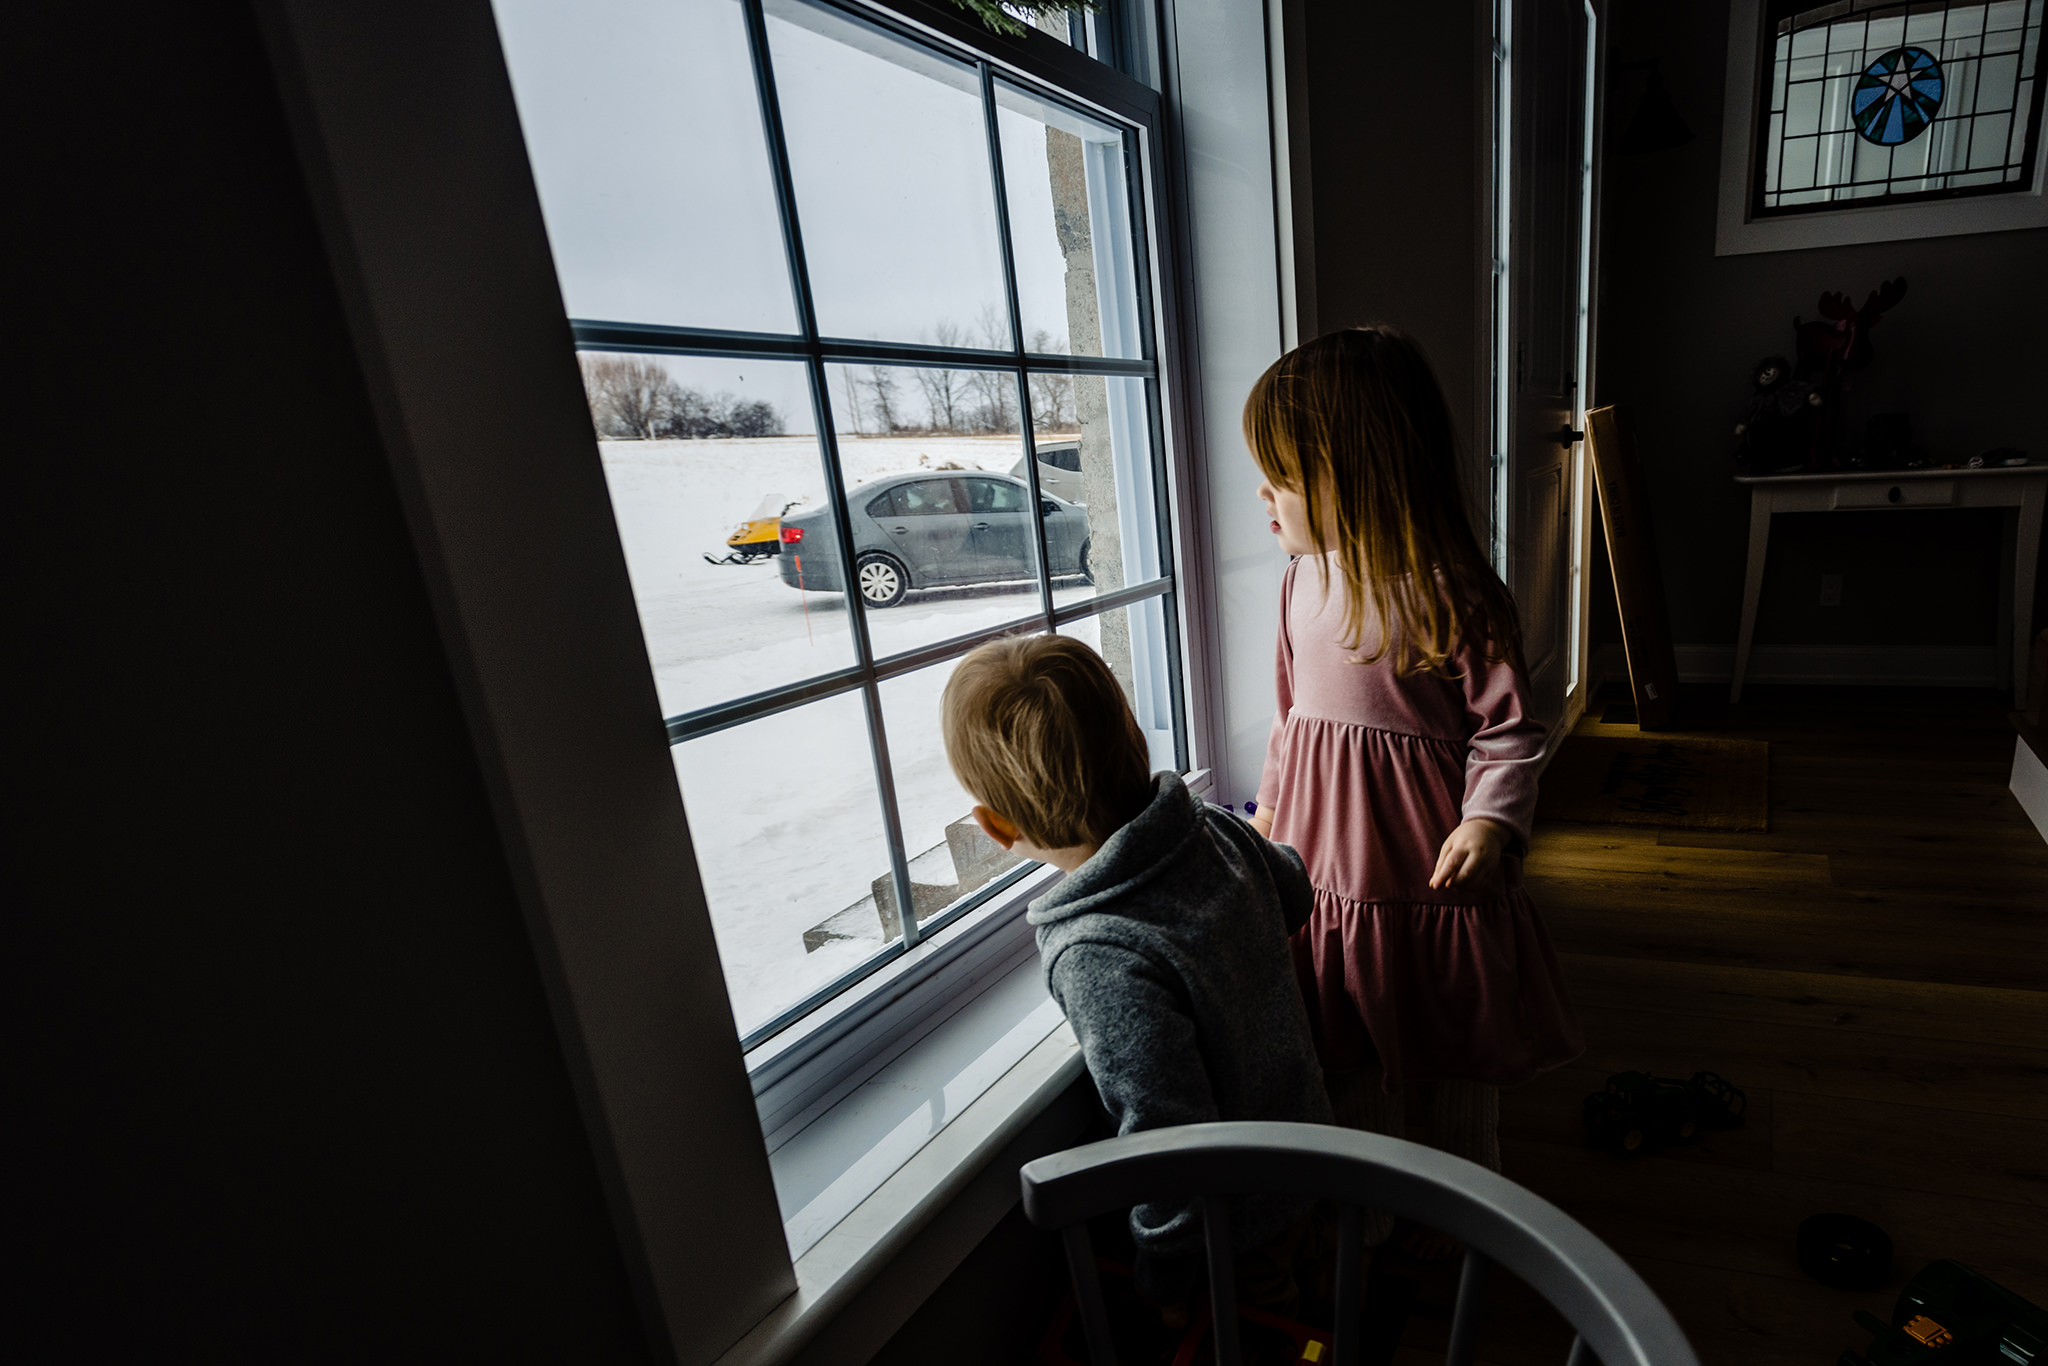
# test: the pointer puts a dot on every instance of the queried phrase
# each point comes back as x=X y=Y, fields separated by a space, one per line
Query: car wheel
x=1631 y=1139
x=1087 y=574
x=881 y=579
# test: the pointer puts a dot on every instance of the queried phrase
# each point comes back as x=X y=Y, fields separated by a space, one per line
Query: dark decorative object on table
x=1829 y=347
x=1950 y=1313
x=1845 y=1252
x=1793 y=420
x=1775 y=434
x=1637 y=1108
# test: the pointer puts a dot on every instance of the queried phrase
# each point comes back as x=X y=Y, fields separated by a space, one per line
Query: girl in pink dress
x=1403 y=758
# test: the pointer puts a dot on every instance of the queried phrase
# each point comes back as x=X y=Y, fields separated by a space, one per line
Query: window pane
x=1797 y=172
x=1997 y=82
x=1802 y=108
x=1104 y=533
x=703 y=459
x=889 y=149
x=788 y=831
x=638 y=116
x=1886 y=34
x=954 y=549
x=1134 y=643
x=1070 y=228
x=949 y=856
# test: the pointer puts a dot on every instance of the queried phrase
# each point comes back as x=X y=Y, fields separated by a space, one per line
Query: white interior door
x=1541 y=490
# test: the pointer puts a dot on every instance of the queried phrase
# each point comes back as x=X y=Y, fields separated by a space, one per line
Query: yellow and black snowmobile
x=758 y=537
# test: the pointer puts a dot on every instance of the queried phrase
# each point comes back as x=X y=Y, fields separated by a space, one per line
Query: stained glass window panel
x=1873 y=100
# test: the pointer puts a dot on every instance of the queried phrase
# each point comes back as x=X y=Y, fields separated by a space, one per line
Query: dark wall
x=1680 y=329
x=995 y=1307
x=283 y=1084
x=1394 y=152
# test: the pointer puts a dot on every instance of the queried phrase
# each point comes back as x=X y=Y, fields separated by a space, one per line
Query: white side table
x=2022 y=487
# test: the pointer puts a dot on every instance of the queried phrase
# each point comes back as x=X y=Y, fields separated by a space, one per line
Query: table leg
x=2026 y=559
x=1752 y=582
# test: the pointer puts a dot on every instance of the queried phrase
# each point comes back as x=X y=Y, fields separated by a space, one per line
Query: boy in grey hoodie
x=1166 y=943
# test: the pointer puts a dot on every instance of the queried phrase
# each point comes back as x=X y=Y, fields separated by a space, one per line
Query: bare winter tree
x=994 y=392
x=1052 y=391
x=854 y=410
x=945 y=391
x=758 y=418
x=698 y=415
x=633 y=397
x=883 y=401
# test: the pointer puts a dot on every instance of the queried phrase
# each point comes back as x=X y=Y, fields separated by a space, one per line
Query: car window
x=989 y=495
x=925 y=497
x=1066 y=458
x=884 y=506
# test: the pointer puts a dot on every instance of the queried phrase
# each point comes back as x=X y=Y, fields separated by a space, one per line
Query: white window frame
x=413 y=156
x=1738 y=233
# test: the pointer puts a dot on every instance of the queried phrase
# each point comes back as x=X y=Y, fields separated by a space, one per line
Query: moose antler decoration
x=1831 y=345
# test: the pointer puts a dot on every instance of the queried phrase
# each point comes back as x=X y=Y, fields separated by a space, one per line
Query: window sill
x=895 y=1145
x=946 y=1172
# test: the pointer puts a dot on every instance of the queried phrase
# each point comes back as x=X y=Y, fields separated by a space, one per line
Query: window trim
x=413 y=157
x=1739 y=231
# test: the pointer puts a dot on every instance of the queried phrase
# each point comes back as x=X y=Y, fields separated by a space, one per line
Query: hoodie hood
x=1141 y=852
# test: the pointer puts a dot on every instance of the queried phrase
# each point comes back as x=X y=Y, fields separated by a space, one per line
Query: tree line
x=635 y=398
x=885 y=400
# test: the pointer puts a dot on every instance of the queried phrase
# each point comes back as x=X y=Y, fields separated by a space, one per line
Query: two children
x=1401 y=766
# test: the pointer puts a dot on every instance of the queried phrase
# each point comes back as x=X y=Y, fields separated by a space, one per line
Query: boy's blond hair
x=1038 y=730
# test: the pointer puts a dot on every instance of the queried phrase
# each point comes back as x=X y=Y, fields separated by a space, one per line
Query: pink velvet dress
x=1366 y=775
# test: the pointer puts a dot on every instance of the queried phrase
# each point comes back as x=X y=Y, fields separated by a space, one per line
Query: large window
x=1866 y=102
x=867 y=334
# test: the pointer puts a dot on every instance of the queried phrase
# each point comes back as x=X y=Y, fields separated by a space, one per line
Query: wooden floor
x=1873 y=971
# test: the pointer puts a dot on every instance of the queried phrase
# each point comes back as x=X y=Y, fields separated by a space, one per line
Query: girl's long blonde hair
x=1356 y=424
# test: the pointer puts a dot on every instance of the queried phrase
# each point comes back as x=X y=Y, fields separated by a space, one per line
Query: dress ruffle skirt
x=1421 y=984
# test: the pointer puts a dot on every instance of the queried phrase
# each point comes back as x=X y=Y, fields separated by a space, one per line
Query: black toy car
x=1951 y=1313
x=1637 y=1108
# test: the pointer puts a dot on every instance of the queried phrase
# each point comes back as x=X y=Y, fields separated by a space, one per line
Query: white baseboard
x=2030 y=784
x=1913 y=666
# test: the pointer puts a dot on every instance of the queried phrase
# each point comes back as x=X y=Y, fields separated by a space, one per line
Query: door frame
x=1498 y=205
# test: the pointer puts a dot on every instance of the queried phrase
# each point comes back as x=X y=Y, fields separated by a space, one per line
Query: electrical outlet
x=1831 y=590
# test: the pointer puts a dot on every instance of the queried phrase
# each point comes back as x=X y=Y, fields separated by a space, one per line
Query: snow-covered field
x=784 y=811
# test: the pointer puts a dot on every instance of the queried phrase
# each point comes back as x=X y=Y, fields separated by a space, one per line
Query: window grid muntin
x=817 y=351
x=2013 y=173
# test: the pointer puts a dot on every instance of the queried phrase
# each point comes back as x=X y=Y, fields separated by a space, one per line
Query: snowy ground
x=784 y=810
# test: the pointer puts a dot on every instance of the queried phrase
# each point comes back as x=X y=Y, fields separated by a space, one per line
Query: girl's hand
x=1262 y=822
x=1471 y=854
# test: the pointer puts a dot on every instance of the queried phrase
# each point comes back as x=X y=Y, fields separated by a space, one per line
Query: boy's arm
x=1283 y=865
x=1136 y=1036
x=1290 y=878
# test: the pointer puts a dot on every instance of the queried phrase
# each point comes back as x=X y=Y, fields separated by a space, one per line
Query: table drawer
x=1907 y=493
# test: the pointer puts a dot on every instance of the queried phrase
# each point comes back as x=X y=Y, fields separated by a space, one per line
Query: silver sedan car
x=933 y=530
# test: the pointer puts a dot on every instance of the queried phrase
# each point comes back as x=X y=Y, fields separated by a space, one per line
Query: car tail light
x=791 y=535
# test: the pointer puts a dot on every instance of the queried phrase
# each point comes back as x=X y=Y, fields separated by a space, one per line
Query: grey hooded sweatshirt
x=1168 y=952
